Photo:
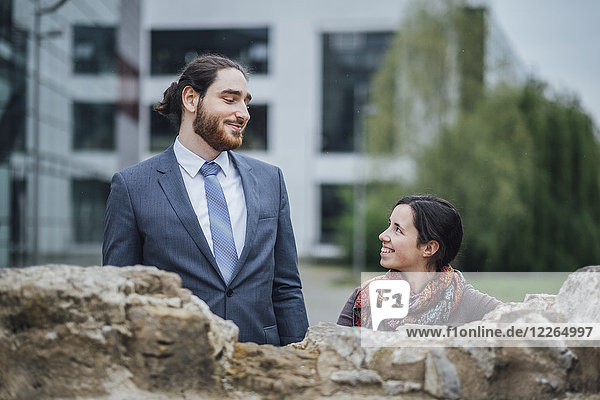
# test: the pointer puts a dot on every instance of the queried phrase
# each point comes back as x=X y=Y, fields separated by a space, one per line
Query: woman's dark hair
x=436 y=219
x=199 y=74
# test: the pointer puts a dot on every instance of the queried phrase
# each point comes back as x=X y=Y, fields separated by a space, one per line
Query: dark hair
x=436 y=219
x=199 y=74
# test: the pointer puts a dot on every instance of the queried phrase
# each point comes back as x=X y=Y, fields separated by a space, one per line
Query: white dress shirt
x=231 y=182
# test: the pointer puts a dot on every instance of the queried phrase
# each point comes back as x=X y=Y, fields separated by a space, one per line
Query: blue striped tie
x=220 y=223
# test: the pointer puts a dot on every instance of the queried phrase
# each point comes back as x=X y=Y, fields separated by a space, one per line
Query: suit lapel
x=250 y=185
x=171 y=182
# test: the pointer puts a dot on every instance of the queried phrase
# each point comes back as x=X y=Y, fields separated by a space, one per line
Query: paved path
x=326 y=290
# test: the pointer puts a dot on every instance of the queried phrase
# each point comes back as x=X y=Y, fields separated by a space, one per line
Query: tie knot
x=209 y=168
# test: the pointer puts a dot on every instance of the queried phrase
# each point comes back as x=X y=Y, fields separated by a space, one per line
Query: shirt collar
x=191 y=162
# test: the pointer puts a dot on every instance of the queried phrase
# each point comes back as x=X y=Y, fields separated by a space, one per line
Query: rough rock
x=72 y=330
x=133 y=333
x=578 y=298
x=441 y=379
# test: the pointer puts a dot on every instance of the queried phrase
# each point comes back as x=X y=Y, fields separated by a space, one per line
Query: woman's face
x=399 y=250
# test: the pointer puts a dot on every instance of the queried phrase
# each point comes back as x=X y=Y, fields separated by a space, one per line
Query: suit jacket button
x=229 y=293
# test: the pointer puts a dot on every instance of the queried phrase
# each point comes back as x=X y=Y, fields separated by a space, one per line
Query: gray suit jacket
x=150 y=221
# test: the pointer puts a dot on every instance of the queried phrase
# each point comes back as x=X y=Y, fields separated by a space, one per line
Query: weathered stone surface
x=269 y=371
x=356 y=377
x=441 y=379
x=399 y=387
x=579 y=297
x=342 y=340
x=534 y=308
x=133 y=333
x=70 y=330
x=399 y=363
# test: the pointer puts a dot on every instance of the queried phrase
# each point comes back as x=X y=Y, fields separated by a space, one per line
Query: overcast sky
x=558 y=41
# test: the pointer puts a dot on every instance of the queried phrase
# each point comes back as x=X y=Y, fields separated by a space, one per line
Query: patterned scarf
x=432 y=306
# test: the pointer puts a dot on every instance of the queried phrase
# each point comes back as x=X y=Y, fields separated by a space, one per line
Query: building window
x=255 y=135
x=14 y=81
x=18 y=206
x=336 y=203
x=163 y=133
x=94 y=50
x=89 y=203
x=93 y=126
x=172 y=50
x=349 y=62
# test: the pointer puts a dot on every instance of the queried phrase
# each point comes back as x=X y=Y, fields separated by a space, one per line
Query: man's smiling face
x=222 y=115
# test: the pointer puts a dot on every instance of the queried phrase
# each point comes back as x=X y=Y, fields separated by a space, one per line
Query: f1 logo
x=388 y=299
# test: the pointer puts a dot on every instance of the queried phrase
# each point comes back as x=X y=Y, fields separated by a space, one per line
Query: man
x=227 y=234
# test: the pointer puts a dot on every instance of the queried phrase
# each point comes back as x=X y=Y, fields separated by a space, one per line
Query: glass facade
x=88 y=197
x=349 y=61
x=13 y=114
x=173 y=49
x=336 y=202
x=162 y=132
x=56 y=152
x=255 y=135
x=94 y=126
x=13 y=58
x=18 y=215
x=94 y=49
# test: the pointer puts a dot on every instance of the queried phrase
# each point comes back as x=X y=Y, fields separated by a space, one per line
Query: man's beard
x=208 y=128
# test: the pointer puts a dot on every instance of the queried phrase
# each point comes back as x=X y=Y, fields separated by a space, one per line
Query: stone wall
x=133 y=333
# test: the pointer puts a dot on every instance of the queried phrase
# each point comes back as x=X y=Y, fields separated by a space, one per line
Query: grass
x=505 y=286
x=513 y=286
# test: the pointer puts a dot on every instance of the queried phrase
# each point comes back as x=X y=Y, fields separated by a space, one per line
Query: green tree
x=522 y=166
x=523 y=171
x=414 y=82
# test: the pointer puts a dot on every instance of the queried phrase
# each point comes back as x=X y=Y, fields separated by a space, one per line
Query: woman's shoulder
x=474 y=305
x=470 y=292
x=347 y=314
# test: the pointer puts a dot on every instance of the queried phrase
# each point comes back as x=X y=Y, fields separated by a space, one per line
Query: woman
x=423 y=237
